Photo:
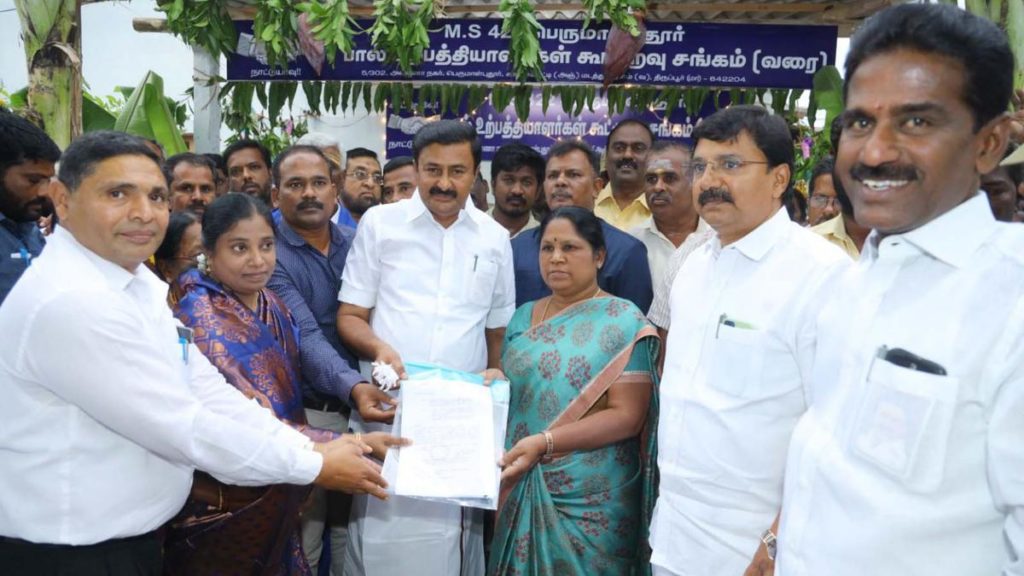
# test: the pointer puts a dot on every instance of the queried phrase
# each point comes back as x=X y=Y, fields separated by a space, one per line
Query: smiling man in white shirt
x=430 y=280
x=910 y=459
x=738 y=354
x=108 y=408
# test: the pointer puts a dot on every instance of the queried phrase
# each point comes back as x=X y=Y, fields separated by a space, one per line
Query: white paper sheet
x=453 y=453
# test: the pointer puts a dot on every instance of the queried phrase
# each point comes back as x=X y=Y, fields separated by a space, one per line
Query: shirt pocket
x=904 y=424
x=737 y=360
x=483 y=277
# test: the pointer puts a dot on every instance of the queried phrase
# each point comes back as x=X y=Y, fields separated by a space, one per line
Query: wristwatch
x=770 y=543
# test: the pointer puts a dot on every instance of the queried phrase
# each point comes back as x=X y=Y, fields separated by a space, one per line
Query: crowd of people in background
x=710 y=373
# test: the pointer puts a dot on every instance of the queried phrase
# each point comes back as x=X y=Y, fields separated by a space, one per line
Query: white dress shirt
x=433 y=291
x=898 y=471
x=104 y=419
x=660 y=313
x=739 y=353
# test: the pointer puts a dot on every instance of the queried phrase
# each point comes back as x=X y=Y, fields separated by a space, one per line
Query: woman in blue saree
x=247 y=332
x=578 y=480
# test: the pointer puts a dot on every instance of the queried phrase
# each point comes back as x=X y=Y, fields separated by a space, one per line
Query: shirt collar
x=116 y=277
x=952 y=237
x=606 y=194
x=290 y=236
x=760 y=240
x=834 y=226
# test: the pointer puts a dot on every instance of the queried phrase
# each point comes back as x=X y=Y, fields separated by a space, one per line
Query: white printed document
x=453 y=453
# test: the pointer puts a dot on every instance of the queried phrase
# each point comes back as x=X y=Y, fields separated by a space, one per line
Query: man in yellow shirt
x=622 y=203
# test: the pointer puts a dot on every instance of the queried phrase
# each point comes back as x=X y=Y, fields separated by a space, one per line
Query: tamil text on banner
x=542 y=129
x=675 y=54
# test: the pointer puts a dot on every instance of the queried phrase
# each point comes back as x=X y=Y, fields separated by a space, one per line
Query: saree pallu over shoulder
x=225 y=529
x=583 y=512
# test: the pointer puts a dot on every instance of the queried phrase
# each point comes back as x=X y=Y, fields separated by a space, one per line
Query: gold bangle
x=550 y=440
x=359 y=437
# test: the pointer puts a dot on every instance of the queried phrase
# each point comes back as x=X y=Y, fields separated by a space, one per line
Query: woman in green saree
x=578 y=480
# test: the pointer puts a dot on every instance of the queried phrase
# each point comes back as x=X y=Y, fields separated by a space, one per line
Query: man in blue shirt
x=27 y=157
x=311 y=253
x=572 y=179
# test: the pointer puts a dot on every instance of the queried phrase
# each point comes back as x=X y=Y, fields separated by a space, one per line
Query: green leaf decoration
x=146 y=114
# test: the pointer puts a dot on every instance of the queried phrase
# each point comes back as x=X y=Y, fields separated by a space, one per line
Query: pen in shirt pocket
x=732 y=323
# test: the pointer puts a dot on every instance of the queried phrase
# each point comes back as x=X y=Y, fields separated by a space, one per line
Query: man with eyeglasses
x=738 y=352
x=622 y=203
x=822 y=202
x=363 y=182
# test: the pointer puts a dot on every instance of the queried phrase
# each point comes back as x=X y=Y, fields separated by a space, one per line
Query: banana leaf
x=95 y=116
x=147 y=114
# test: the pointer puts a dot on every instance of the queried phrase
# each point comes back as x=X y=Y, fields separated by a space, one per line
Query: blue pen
x=25 y=256
x=184 y=348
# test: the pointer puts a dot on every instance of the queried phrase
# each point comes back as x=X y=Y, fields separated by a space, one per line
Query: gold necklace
x=547 y=304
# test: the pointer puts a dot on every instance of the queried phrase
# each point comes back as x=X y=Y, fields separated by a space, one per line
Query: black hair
x=796 y=206
x=91 y=148
x=512 y=157
x=587 y=225
x=361 y=153
x=769 y=132
x=1014 y=171
x=977 y=43
x=399 y=162
x=199 y=160
x=176 y=226
x=243 y=144
x=275 y=170
x=629 y=122
x=224 y=212
x=663 y=145
x=564 y=147
x=824 y=167
x=218 y=161
x=23 y=141
x=447 y=132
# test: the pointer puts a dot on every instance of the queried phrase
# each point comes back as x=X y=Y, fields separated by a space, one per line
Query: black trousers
x=136 y=556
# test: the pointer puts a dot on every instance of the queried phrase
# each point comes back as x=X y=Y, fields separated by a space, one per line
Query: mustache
x=660 y=196
x=861 y=172
x=44 y=203
x=627 y=162
x=438 y=191
x=310 y=203
x=715 y=194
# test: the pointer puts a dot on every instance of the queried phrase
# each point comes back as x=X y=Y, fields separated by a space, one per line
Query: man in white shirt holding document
x=108 y=408
x=910 y=459
x=738 y=354
x=427 y=280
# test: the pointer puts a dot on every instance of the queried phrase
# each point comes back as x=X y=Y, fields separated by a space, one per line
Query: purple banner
x=540 y=131
x=675 y=54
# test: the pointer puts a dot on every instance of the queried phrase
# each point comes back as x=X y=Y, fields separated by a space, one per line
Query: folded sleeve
x=361 y=278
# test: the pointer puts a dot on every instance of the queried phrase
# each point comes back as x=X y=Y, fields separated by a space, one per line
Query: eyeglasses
x=361 y=175
x=822 y=201
x=725 y=165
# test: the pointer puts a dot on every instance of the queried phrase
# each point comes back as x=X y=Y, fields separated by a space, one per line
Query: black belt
x=325 y=404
